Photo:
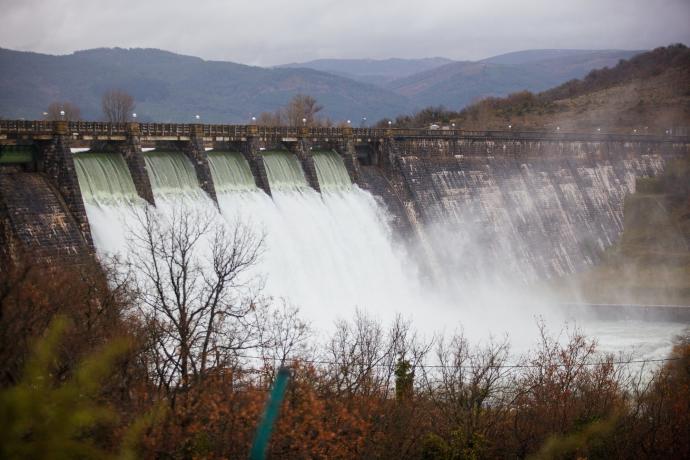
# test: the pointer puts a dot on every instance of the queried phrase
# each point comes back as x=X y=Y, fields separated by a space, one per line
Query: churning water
x=333 y=252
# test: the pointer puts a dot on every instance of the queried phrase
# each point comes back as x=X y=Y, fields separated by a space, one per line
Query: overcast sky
x=269 y=32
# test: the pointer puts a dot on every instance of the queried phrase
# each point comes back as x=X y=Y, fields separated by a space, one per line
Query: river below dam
x=334 y=253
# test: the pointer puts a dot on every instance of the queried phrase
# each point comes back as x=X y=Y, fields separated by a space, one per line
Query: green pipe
x=263 y=431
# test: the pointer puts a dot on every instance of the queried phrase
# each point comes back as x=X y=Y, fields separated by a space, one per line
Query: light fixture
x=197 y=116
x=134 y=115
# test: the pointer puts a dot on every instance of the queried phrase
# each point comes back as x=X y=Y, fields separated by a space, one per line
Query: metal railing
x=153 y=130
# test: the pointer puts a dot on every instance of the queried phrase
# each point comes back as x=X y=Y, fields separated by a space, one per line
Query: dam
x=352 y=218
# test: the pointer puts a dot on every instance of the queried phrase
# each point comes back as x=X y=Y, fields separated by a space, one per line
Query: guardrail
x=153 y=130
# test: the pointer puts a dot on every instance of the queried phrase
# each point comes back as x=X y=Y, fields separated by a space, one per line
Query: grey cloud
x=267 y=32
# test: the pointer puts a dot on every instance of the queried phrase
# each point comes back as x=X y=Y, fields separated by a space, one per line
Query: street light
x=304 y=121
x=390 y=123
x=348 y=122
x=510 y=126
x=62 y=113
x=253 y=119
x=197 y=116
x=452 y=125
x=134 y=115
x=45 y=114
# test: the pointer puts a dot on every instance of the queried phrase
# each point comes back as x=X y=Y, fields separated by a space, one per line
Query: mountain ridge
x=171 y=87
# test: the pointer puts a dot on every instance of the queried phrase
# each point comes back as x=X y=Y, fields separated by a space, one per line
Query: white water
x=110 y=199
x=333 y=252
x=328 y=253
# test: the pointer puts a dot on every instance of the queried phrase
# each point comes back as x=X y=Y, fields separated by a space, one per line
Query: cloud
x=268 y=32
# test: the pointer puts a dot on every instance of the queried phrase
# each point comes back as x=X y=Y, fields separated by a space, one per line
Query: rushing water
x=171 y=174
x=328 y=253
x=331 y=172
x=333 y=252
x=110 y=199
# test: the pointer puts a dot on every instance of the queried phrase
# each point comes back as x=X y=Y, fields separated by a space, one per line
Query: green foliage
x=462 y=446
x=434 y=447
x=575 y=444
x=467 y=446
x=404 y=379
x=41 y=418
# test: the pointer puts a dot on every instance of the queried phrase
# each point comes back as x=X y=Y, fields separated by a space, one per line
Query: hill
x=378 y=72
x=458 y=84
x=527 y=56
x=172 y=87
x=649 y=92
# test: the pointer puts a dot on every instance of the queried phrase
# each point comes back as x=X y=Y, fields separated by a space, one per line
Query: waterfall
x=327 y=253
x=230 y=172
x=284 y=171
x=104 y=177
x=331 y=171
x=110 y=199
x=172 y=174
x=332 y=252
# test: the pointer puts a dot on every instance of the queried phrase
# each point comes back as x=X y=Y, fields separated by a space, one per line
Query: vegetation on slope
x=649 y=93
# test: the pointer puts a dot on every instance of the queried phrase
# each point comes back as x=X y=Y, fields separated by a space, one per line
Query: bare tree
x=364 y=357
x=63 y=110
x=270 y=118
x=302 y=109
x=196 y=293
x=117 y=106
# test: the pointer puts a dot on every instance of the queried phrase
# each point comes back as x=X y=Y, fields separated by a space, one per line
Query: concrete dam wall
x=520 y=205
x=532 y=209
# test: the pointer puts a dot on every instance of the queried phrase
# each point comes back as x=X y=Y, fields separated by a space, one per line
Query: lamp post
x=197 y=117
x=134 y=116
x=253 y=120
x=304 y=122
x=62 y=114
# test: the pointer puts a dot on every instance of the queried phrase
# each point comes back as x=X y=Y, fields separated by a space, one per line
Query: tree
x=302 y=110
x=196 y=294
x=63 y=110
x=270 y=118
x=117 y=106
